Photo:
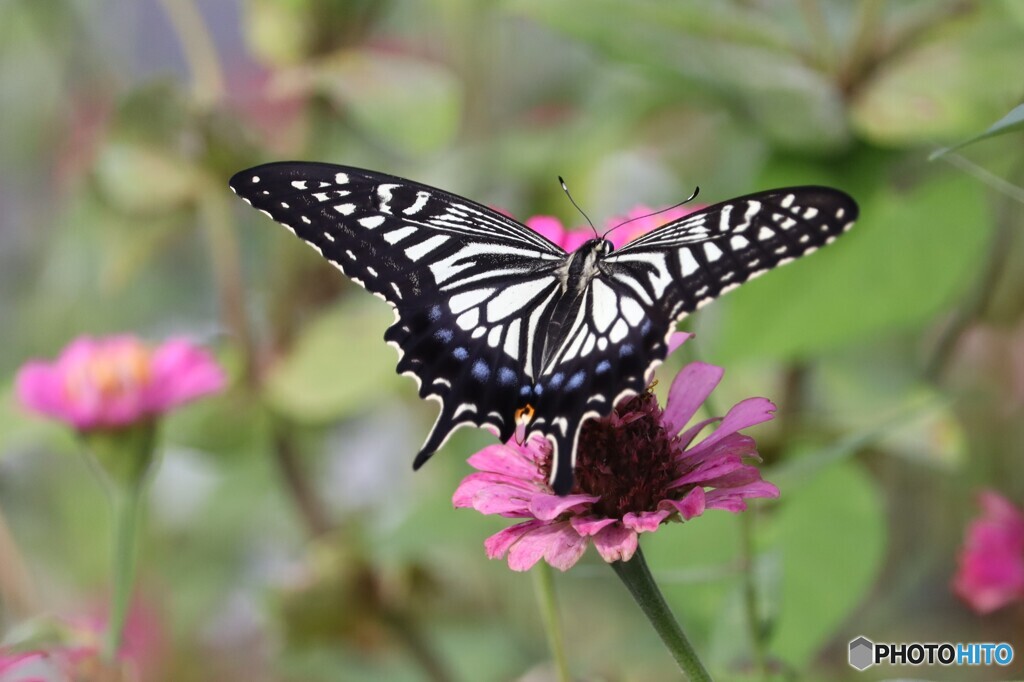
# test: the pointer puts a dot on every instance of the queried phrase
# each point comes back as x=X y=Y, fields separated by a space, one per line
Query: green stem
x=544 y=587
x=750 y=600
x=638 y=580
x=126 y=503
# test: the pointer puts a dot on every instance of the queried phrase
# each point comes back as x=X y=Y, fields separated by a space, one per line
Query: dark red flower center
x=627 y=459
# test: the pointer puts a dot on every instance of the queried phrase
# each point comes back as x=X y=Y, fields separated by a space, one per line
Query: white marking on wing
x=372 y=221
x=384 y=192
x=712 y=252
x=426 y=246
x=765 y=233
x=619 y=331
x=469 y=319
x=512 y=339
x=395 y=236
x=421 y=200
x=468 y=299
x=688 y=262
x=345 y=209
x=512 y=299
x=738 y=242
x=299 y=184
x=604 y=300
x=340 y=178
x=787 y=200
x=631 y=310
x=494 y=337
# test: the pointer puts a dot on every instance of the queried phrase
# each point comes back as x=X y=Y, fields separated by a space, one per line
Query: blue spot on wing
x=525 y=391
x=481 y=371
x=506 y=376
x=460 y=353
x=576 y=380
x=444 y=335
x=434 y=313
x=556 y=380
x=645 y=327
x=602 y=367
x=625 y=349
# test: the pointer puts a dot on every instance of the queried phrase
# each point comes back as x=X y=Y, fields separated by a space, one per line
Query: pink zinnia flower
x=114 y=382
x=552 y=229
x=991 y=571
x=633 y=473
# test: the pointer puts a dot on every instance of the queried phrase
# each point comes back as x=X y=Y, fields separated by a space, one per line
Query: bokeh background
x=288 y=539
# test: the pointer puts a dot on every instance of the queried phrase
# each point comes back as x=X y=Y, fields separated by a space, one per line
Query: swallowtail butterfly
x=503 y=327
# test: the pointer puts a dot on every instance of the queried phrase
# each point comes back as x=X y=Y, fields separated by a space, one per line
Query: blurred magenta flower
x=633 y=474
x=991 y=573
x=552 y=229
x=113 y=382
x=20 y=666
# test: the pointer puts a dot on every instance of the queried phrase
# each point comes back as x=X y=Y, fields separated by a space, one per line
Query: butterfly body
x=494 y=321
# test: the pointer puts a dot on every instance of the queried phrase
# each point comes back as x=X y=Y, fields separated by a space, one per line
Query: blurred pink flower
x=113 y=382
x=552 y=229
x=991 y=573
x=71 y=651
x=633 y=473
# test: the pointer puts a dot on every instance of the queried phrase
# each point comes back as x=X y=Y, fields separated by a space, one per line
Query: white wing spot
x=512 y=339
x=329 y=236
x=345 y=209
x=688 y=262
x=307 y=220
x=479 y=331
x=426 y=246
x=384 y=192
x=371 y=222
x=340 y=178
x=395 y=236
x=398 y=293
x=712 y=252
x=788 y=200
x=256 y=179
x=738 y=242
x=494 y=337
x=299 y=184
x=417 y=206
x=468 y=299
x=469 y=319
x=765 y=233
x=810 y=212
x=604 y=300
x=511 y=299
x=602 y=343
x=284 y=205
x=619 y=331
x=632 y=311
x=371 y=271
x=350 y=254
x=320 y=196
x=840 y=212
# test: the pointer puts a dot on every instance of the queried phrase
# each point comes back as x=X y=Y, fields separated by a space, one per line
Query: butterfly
x=505 y=329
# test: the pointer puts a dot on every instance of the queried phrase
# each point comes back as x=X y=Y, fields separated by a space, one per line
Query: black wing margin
x=441 y=261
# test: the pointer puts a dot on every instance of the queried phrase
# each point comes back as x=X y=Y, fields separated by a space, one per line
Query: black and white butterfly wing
x=621 y=329
x=469 y=286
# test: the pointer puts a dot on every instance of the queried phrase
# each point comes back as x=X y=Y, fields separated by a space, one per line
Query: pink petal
x=689 y=390
x=498 y=544
x=677 y=339
x=732 y=499
x=687 y=436
x=39 y=388
x=182 y=372
x=506 y=460
x=742 y=415
x=557 y=542
x=548 y=227
x=645 y=522
x=991 y=563
x=709 y=470
x=691 y=506
x=547 y=507
x=589 y=525
x=616 y=543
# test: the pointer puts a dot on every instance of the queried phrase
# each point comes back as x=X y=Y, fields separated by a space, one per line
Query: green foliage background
x=287 y=538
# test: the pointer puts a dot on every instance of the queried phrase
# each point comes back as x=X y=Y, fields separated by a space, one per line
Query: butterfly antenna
x=566 y=190
x=696 y=191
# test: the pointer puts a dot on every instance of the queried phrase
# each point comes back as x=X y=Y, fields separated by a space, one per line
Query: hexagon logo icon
x=862 y=653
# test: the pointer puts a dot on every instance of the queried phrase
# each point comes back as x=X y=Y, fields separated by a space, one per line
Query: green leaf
x=141 y=178
x=403 y=102
x=1010 y=123
x=832 y=536
x=337 y=367
x=911 y=254
x=944 y=88
x=744 y=58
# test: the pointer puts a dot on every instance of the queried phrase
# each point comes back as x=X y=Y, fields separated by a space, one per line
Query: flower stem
x=750 y=598
x=126 y=503
x=544 y=587
x=638 y=580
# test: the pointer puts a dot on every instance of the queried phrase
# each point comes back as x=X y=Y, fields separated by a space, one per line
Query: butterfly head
x=598 y=246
